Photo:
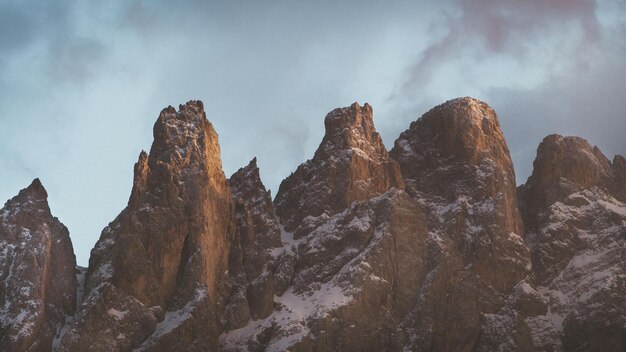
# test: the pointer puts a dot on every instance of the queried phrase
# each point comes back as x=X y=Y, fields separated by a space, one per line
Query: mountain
x=37 y=272
x=157 y=276
x=427 y=247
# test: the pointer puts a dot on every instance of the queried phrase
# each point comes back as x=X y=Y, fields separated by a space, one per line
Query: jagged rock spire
x=37 y=272
x=168 y=250
x=351 y=164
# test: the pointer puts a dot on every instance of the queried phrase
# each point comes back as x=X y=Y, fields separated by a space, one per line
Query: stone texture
x=456 y=162
x=351 y=164
x=157 y=277
x=577 y=226
x=37 y=272
x=356 y=275
x=251 y=256
x=354 y=247
x=563 y=166
x=429 y=247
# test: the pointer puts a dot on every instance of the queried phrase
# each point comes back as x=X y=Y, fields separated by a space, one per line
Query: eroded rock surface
x=37 y=272
x=351 y=164
x=157 y=277
x=456 y=162
x=576 y=232
x=252 y=263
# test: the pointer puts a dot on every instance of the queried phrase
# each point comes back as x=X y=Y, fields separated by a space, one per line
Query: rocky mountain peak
x=30 y=198
x=185 y=137
x=34 y=191
x=247 y=178
x=458 y=149
x=419 y=249
x=167 y=252
x=37 y=272
x=251 y=263
x=351 y=128
x=575 y=225
x=563 y=165
x=572 y=159
x=462 y=129
x=351 y=164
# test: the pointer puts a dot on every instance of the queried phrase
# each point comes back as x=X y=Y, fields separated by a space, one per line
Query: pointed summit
x=457 y=149
x=459 y=130
x=32 y=197
x=251 y=260
x=37 y=272
x=351 y=128
x=351 y=164
x=36 y=190
x=168 y=247
x=564 y=165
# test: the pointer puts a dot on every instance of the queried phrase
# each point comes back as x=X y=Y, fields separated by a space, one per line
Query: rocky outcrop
x=354 y=242
x=397 y=271
x=576 y=230
x=37 y=272
x=252 y=260
x=356 y=274
x=456 y=162
x=563 y=165
x=351 y=164
x=157 y=276
x=619 y=174
x=458 y=148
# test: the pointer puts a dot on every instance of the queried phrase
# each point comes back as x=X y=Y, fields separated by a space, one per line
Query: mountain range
x=430 y=246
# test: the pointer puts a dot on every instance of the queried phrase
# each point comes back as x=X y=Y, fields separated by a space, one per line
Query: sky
x=82 y=82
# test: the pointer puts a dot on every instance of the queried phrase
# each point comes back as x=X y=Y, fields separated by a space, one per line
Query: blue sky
x=82 y=82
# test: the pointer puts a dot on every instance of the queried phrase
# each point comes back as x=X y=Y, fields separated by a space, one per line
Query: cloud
x=546 y=66
x=479 y=31
x=81 y=83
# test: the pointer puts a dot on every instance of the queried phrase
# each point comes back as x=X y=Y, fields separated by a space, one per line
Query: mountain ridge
x=427 y=247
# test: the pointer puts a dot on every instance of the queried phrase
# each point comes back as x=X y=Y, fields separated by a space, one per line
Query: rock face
x=456 y=148
x=351 y=164
x=562 y=167
x=157 y=276
x=573 y=205
x=353 y=260
x=456 y=162
x=251 y=261
x=37 y=272
x=429 y=247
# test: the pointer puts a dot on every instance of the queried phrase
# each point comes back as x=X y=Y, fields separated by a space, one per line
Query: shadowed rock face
x=355 y=253
x=458 y=148
x=37 y=272
x=165 y=257
x=563 y=166
x=455 y=160
x=351 y=164
x=251 y=261
x=619 y=172
x=573 y=205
